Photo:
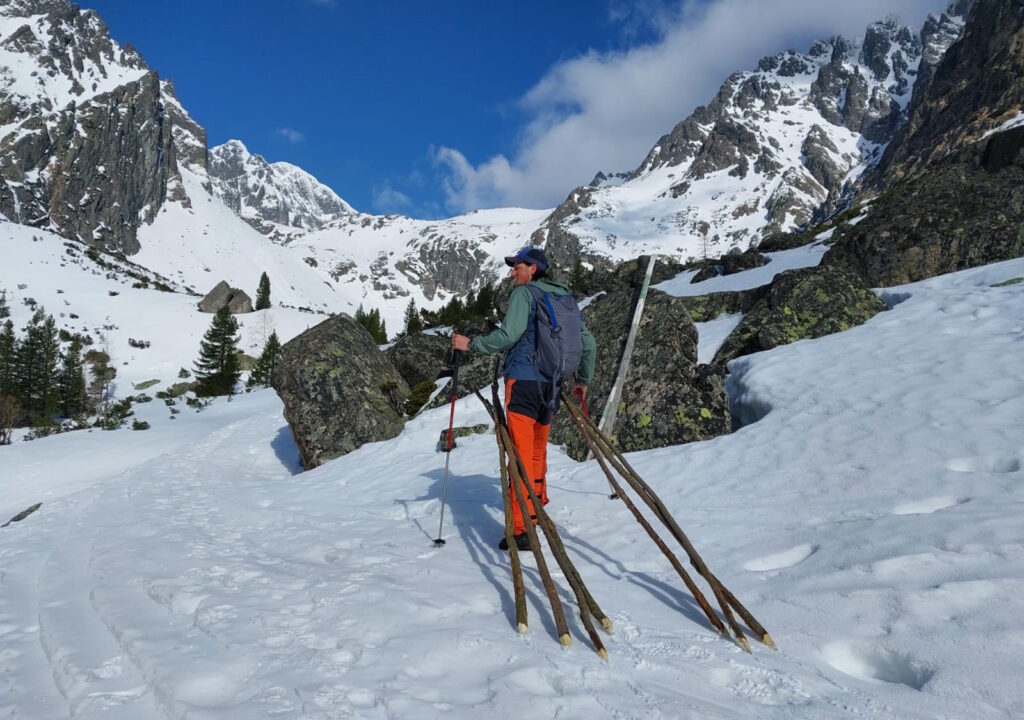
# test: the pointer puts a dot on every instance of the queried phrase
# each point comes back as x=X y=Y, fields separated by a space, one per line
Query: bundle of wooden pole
x=518 y=479
x=607 y=454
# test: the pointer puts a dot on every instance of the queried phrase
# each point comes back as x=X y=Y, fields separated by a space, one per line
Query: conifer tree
x=4 y=310
x=8 y=360
x=37 y=369
x=484 y=307
x=218 y=369
x=373 y=324
x=263 y=293
x=263 y=372
x=74 y=399
x=580 y=279
x=413 y=323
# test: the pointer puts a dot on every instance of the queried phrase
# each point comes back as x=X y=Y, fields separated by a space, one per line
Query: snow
x=20 y=75
x=801 y=257
x=1009 y=124
x=867 y=512
x=711 y=335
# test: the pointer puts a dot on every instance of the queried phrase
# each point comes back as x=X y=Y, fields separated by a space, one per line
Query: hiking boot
x=522 y=542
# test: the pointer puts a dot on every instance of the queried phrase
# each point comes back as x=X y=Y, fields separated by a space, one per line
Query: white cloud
x=387 y=200
x=604 y=111
x=292 y=136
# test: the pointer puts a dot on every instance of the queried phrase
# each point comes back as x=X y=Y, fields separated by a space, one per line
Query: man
x=526 y=390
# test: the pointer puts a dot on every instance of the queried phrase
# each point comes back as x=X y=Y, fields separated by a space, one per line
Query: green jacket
x=517 y=329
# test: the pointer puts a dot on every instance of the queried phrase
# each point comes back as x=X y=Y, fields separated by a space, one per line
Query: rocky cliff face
x=278 y=199
x=949 y=193
x=775 y=149
x=87 y=142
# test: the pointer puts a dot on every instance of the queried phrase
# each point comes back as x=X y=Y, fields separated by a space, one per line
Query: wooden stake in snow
x=726 y=600
x=611 y=406
x=519 y=481
x=518 y=587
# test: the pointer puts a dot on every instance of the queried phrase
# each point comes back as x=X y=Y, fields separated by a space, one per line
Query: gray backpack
x=559 y=338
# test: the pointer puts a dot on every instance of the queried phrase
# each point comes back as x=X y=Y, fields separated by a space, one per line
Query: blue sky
x=434 y=107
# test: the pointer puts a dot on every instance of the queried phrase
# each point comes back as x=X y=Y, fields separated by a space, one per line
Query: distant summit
x=776 y=148
x=275 y=198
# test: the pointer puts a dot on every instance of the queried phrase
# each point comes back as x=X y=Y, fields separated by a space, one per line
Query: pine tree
x=74 y=399
x=8 y=361
x=263 y=293
x=413 y=323
x=4 y=310
x=451 y=313
x=379 y=331
x=37 y=369
x=485 y=302
x=217 y=368
x=373 y=324
x=580 y=279
x=263 y=372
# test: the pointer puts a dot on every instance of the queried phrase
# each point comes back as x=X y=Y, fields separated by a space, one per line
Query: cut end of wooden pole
x=767 y=640
x=742 y=642
x=607 y=625
x=566 y=640
x=604 y=654
x=522 y=628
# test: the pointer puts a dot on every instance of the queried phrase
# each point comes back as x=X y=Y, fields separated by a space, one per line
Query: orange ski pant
x=531 y=440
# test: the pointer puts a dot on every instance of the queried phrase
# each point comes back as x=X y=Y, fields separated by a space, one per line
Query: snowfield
x=868 y=513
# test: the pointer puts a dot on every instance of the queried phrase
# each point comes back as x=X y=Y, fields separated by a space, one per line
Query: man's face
x=521 y=273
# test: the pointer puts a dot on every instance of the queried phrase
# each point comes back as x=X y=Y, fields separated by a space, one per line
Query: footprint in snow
x=928 y=505
x=992 y=464
x=779 y=561
x=872 y=664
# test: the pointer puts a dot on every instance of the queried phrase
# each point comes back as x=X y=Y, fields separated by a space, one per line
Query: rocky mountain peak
x=278 y=199
x=776 y=147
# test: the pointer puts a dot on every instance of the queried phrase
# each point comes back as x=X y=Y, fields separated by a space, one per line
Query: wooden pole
x=645 y=491
x=587 y=604
x=561 y=626
x=673 y=560
x=518 y=586
x=611 y=405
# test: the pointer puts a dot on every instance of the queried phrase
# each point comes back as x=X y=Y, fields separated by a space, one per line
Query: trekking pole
x=457 y=356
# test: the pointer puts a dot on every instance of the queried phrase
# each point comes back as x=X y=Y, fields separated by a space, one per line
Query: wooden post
x=611 y=405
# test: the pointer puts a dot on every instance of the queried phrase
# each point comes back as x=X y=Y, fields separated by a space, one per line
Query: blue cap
x=530 y=256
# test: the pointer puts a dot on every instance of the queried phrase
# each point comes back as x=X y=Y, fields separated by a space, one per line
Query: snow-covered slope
x=868 y=513
x=82 y=58
x=108 y=304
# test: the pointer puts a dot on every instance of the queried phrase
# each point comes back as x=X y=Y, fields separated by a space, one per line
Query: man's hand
x=460 y=342
x=579 y=391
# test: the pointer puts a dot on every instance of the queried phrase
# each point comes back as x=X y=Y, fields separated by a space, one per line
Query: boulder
x=339 y=390
x=421 y=356
x=667 y=398
x=799 y=304
x=704 y=308
x=460 y=432
x=729 y=264
x=222 y=294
